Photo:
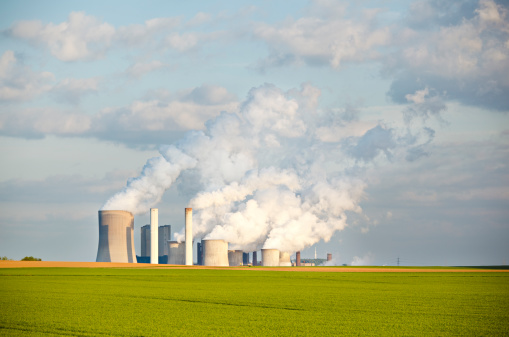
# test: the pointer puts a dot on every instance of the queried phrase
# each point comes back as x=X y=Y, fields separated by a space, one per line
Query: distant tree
x=30 y=258
x=5 y=258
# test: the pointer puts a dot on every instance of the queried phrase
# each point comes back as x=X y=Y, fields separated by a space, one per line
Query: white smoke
x=366 y=260
x=263 y=177
x=158 y=174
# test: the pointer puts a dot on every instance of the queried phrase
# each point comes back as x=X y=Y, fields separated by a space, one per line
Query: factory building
x=199 y=249
x=245 y=259
x=164 y=235
x=116 y=237
x=145 y=241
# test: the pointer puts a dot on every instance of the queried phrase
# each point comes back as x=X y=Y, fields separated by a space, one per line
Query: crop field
x=192 y=302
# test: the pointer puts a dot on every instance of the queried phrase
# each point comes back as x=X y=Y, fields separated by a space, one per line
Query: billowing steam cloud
x=265 y=176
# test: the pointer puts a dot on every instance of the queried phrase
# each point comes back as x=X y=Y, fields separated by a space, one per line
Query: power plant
x=116 y=244
x=116 y=237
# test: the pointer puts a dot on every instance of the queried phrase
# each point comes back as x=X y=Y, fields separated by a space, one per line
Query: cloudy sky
x=402 y=104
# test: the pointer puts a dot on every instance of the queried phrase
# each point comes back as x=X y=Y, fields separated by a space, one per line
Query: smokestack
x=297 y=259
x=154 y=242
x=329 y=257
x=116 y=239
x=189 y=236
x=255 y=259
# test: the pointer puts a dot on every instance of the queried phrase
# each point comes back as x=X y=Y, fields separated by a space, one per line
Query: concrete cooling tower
x=235 y=258
x=176 y=252
x=215 y=253
x=116 y=239
x=284 y=259
x=270 y=257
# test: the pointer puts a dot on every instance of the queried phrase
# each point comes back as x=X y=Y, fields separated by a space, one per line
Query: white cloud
x=81 y=37
x=72 y=89
x=332 y=40
x=468 y=59
x=138 y=34
x=142 y=122
x=187 y=112
x=19 y=82
x=139 y=69
x=31 y=123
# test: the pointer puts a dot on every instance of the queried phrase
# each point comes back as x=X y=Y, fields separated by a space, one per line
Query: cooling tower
x=284 y=259
x=215 y=253
x=270 y=257
x=234 y=258
x=154 y=231
x=176 y=252
x=116 y=239
x=245 y=259
x=189 y=236
x=255 y=259
x=297 y=259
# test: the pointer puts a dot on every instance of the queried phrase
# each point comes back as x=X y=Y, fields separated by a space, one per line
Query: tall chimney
x=154 y=225
x=297 y=259
x=255 y=259
x=189 y=236
x=329 y=256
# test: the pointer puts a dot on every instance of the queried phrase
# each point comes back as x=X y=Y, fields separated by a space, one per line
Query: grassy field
x=176 y=302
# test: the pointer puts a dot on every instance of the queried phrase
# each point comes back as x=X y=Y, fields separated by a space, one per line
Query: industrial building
x=116 y=244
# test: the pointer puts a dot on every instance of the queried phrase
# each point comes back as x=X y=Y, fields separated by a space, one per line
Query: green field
x=179 y=302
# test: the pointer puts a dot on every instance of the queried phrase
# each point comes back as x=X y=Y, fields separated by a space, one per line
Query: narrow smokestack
x=297 y=259
x=154 y=228
x=189 y=236
x=255 y=259
x=329 y=256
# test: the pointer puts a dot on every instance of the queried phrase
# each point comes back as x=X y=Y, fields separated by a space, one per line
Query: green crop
x=188 y=302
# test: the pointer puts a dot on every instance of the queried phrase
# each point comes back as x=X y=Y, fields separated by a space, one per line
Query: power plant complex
x=116 y=244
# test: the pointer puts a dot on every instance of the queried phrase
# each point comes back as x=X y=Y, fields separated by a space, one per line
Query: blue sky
x=385 y=122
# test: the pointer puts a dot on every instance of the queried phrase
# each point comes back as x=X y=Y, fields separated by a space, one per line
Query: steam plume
x=265 y=177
